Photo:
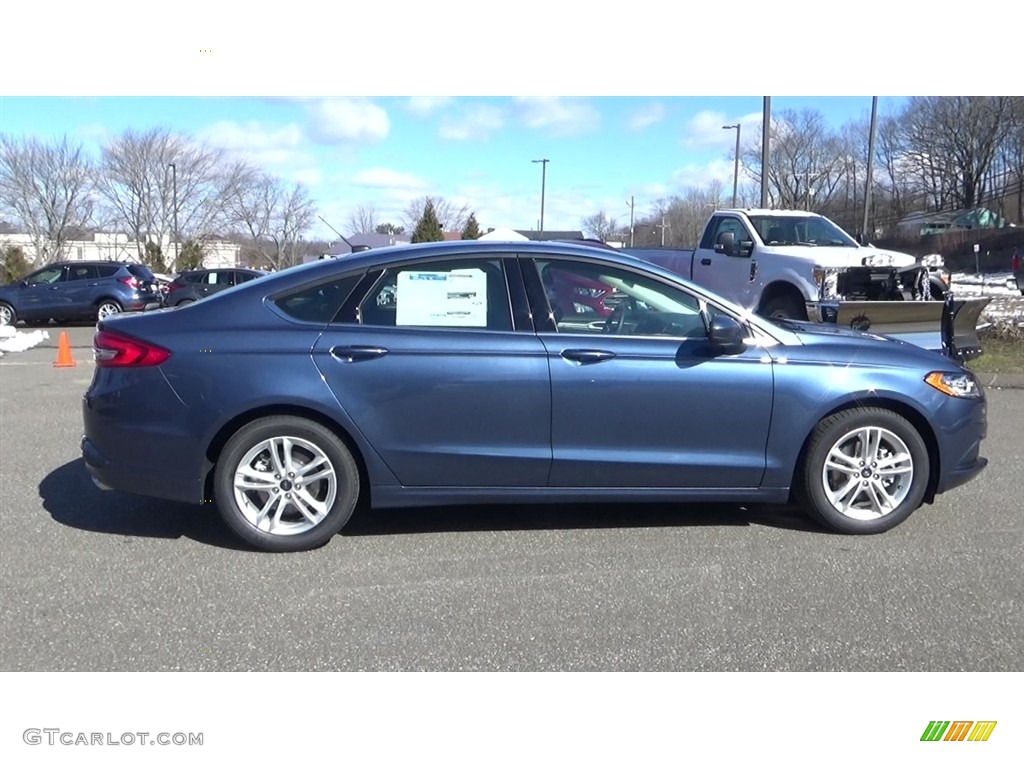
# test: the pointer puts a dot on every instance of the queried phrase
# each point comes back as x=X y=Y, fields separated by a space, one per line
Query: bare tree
x=600 y=226
x=363 y=220
x=274 y=217
x=807 y=165
x=156 y=179
x=451 y=215
x=48 y=188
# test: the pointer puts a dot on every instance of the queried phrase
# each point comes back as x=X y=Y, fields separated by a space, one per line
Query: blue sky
x=320 y=96
x=383 y=152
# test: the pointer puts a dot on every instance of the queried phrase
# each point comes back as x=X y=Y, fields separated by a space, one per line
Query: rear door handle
x=357 y=353
x=587 y=356
x=706 y=262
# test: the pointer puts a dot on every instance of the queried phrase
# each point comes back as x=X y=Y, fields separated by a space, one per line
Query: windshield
x=800 y=230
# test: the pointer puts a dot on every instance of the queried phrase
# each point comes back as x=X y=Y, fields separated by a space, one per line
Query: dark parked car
x=79 y=289
x=438 y=374
x=196 y=284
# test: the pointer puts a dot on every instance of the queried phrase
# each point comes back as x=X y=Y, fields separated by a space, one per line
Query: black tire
x=7 y=314
x=936 y=289
x=784 y=307
x=314 y=446
x=183 y=302
x=838 y=433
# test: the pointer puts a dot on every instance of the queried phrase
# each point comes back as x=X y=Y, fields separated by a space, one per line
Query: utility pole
x=736 y=161
x=871 y=163
x=663 y=227
x=766 y=122
x=543 y=181
x=631 y=221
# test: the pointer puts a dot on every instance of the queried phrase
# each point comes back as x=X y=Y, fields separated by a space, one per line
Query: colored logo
x=958 y=730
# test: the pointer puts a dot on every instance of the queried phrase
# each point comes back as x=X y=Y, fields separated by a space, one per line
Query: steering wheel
x=617 y=319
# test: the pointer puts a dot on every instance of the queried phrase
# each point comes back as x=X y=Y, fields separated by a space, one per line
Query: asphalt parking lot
x=105 y=581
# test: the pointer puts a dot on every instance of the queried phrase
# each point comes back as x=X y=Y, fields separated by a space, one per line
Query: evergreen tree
x=191 y=256
x=428 y=228
x=472 y=230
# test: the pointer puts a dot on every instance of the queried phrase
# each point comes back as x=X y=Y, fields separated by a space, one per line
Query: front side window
x=597 y=299
x=47 y=276
x=467 y=293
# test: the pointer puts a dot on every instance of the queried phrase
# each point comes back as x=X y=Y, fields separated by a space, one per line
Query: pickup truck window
x=800 y=230
x=720 y=225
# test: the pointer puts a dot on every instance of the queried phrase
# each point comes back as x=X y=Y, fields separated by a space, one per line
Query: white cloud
x=646 y=116
x=425 y=105
x=269 y=147
x=385 y=178
x=310 y=177
x=558 y=116
x=696 y=175
x=346 y=120
x=705 y=129
x=475 y=123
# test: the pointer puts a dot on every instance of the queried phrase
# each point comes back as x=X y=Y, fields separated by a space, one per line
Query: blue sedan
x=451 y=373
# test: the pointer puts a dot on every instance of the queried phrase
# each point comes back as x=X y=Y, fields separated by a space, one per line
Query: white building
x=217 y=254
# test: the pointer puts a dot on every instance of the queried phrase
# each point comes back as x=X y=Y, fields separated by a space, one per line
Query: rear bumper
x=108 y=476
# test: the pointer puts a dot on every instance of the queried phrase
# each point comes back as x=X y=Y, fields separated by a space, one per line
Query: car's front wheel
x=7 y=314
x=107 y=308
x=286 y=484
x=865 y=470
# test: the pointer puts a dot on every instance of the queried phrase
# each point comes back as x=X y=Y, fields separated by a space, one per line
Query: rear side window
x=317 y=303
x=107 y=270
x=464 y=293
x=82 y=272
x=142 y=272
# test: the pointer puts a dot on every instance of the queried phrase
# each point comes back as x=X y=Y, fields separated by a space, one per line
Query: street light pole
x=174 y=203
x=736 y=161
x=543 y=182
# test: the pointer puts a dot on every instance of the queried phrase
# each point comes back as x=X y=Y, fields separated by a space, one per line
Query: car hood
x=825 y=340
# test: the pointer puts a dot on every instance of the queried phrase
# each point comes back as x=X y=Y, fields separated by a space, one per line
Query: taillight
x=1015 y=263
x=175 y=287
x=131 y=282
x=112 y=350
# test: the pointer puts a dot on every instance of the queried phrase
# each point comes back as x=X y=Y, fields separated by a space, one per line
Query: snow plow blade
x=950 y=326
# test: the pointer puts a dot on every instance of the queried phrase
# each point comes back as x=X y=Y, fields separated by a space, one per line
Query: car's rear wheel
x=286 y=484
x=865 y=471
x=107 y=308
x=7 y=314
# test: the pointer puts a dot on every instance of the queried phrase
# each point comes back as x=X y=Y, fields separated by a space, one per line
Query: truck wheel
x=784 y=308
x=864 y=471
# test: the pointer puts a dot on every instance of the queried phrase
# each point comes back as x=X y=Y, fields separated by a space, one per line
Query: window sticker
x=456 y=298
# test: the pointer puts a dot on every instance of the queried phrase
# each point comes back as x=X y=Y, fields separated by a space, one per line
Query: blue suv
x=74 y=290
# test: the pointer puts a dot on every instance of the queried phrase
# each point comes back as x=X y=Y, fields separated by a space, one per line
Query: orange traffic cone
x=64 y=358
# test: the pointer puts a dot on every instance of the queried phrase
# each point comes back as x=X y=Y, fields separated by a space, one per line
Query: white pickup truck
x=798 y=265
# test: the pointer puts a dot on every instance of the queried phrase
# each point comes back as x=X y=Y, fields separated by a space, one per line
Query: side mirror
x=727 y=334
x=726 y=244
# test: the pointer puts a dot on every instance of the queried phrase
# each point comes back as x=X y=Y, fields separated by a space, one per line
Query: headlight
x=827 y=281
x=961 y=384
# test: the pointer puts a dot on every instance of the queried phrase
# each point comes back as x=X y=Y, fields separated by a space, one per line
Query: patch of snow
x=12 y=340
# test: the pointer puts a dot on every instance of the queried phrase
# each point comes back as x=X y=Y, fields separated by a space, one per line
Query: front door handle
x=357 y=353
x=706 y=262
x=587 y=356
